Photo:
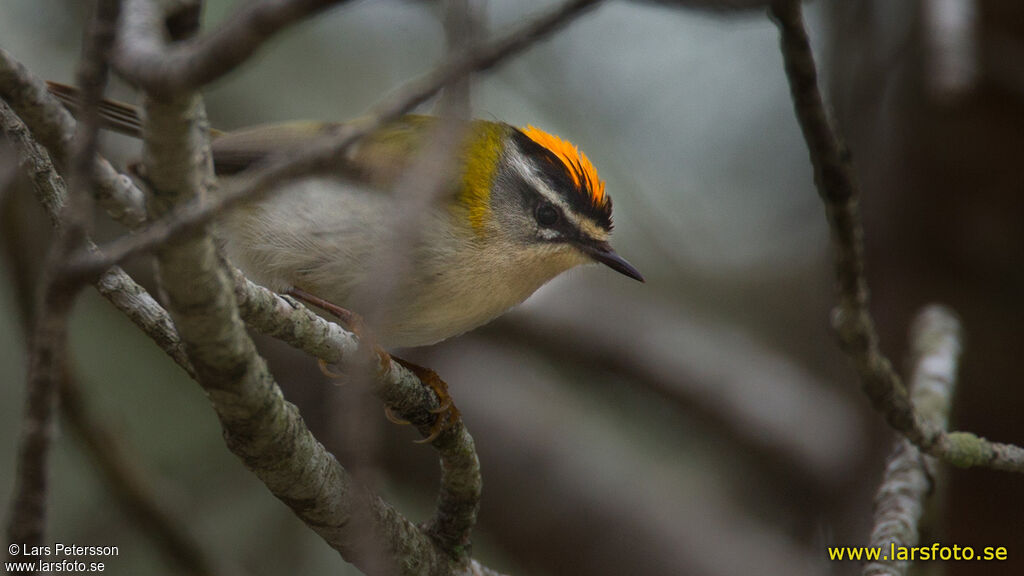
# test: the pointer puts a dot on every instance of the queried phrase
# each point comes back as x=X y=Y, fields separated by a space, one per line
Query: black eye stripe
x=557 y=175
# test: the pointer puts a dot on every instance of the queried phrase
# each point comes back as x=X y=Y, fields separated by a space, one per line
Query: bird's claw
x=325 y=369
x=390 y=415
x=447 y=415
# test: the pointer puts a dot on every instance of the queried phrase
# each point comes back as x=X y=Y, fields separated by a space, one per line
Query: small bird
x=523 y=207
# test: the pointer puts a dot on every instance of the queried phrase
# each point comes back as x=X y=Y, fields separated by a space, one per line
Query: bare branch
x=48 y=185
x=48 y=354
x=279 y=317
x=286 y=319
x=326 y=154
x=833 y=176
x=54 y=127
x=163 y=70
x=127 y=482
x=114 y=284
x=935 y=338
x=135 y=491
x=721 y=6
x=266 y=432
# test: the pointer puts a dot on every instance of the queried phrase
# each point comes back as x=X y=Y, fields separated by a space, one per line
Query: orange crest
x=583 y=173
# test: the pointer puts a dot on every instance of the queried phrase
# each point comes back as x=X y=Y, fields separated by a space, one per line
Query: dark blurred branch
x=135 y=490
x=280 y=317
x=785 y=447
x=48 y=349
x=222 y=356
x=129 y=484
x=721 y=6
x=419 y=188
x=328 y=153
x=53 y=126
x=833 y=176
x=287 y=320
x=263 y=430
x=162 y=69
x=115 y=285
x=578 y=473
x=935 y=338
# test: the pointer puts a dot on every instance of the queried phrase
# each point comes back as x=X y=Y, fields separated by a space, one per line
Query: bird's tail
x=116 y=116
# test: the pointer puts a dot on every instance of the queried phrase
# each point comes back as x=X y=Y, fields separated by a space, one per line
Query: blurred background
x=703 y=423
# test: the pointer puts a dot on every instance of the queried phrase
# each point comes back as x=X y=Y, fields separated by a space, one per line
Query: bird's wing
x=235 y=151
x=376 y=159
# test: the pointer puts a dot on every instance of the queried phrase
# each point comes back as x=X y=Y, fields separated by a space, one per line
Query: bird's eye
x=547 y=215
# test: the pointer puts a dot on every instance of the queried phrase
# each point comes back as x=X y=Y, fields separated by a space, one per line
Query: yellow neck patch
x=483 y=152
x=583 y=173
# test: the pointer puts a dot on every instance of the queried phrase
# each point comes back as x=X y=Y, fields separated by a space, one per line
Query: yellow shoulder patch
x=482 y=153
x=583 y=173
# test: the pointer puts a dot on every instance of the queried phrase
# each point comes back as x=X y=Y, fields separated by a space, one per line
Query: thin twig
x=163 y=70
x=279 y=317
x=128 y=483
x=935 y=338
x=263 y=430
x=833 y=176
x=115 y=285
x=136 y=492
x=54 y=127
x=48 y=351
x=716 y=5
x=284 y=318
x=708 y=386
x=326 y=154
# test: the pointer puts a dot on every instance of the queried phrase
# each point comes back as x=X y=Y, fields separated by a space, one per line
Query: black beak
x=602 y=252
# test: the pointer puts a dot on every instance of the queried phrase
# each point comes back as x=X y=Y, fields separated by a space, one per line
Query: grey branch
x=136 y=491
x=833 y=176
x=805 y=431
x=327 y=153
x=720 y=6
x=935 y=338
x=48 y=348
x=276 y=316
x=114 y=284
x=261 y=428
x=54 y=128
x=161 y=70
x=287 y=320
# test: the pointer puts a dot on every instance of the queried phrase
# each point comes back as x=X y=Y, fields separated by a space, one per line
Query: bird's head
x=538 y=194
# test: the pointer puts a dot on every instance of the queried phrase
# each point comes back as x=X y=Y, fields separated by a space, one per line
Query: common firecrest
x=524 y=207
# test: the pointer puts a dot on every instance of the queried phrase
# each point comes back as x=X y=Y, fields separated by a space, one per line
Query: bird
x=522 y=207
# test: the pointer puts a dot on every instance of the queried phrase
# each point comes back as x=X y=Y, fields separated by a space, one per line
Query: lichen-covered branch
x=54 y=128
x=899 y=503
x=136 y=492
x=280 y=317
x=170 y=148
x=833 y=176
x=48 y=348
x=260 y=427
x=289 y=321
x=187 y=65
x=115 y=285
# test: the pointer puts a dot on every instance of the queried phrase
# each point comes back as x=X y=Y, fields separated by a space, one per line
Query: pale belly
x=330 y=241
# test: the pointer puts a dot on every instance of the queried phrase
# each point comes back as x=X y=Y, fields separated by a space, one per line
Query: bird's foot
x=447 y=415
x=348 y=319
